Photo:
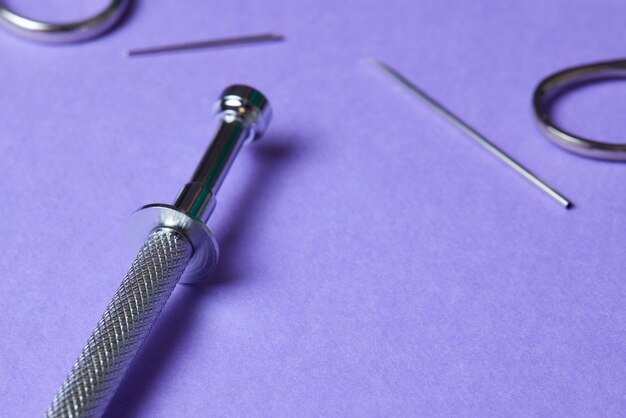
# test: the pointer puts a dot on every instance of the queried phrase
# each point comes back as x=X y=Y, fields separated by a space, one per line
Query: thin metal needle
x=473 y=134
x=240 y=40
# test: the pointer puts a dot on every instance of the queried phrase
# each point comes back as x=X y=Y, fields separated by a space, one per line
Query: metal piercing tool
x=178 y=245
x=473 y=134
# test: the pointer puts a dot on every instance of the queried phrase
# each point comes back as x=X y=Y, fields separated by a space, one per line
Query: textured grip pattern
x=124 y=326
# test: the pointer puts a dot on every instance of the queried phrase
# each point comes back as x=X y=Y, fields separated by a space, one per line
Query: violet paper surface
x=375 y=262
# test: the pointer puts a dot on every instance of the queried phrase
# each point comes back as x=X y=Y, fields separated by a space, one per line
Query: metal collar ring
x=36 y=30
x=568 y=79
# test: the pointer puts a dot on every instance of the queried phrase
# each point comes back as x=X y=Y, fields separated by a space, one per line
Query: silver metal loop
x=565 y=80
x=39 y=31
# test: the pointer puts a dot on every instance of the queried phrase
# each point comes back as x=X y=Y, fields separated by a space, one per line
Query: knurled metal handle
x=123 y=327
x=243 y=114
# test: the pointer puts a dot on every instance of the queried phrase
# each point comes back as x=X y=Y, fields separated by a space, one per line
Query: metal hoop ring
x=568 y=79
x=82 y=30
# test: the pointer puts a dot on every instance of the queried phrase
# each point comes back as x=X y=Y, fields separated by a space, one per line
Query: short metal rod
x=475 y=135
x=213 y=43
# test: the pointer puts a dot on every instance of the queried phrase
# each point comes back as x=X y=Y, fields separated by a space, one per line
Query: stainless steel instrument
x=178 y=246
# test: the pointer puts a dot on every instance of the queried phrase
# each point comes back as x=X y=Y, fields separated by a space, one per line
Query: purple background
x=375 y=262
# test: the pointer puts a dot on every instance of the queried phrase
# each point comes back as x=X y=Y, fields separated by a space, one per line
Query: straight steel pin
x=240 y=40
x=177 y=245
x=473 y=134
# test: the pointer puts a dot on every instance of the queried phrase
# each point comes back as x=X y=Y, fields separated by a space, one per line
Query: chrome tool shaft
x=177 y=245
x=475 y=135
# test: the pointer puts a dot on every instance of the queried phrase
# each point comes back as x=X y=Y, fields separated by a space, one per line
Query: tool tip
x=250 y=104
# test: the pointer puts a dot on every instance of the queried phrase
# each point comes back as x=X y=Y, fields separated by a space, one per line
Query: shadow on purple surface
x=173 y=326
